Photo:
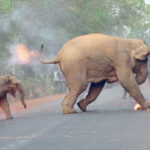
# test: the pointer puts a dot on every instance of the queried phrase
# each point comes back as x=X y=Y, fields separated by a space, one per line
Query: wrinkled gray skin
x=9 y=84
x=97 y=59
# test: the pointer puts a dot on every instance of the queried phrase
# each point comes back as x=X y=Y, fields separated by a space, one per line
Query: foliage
x=5 y=5
x=35 y=84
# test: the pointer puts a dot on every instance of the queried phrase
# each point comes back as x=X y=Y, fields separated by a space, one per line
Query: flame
x=137 y=107
x=24 y=54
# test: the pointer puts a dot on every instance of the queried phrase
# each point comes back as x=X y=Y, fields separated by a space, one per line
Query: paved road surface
x=110 y=124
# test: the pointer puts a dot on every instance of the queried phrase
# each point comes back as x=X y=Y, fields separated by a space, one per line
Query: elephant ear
x=141 y=55
x=141 y=52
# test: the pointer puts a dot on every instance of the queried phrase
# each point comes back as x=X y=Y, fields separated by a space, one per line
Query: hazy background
x=52 y=23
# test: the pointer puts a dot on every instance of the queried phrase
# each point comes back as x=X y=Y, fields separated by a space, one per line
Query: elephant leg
x=94 y=91
x=127 y=80
x=124 y=94
x=77 y=83
x=71 y=98
x=5 y=107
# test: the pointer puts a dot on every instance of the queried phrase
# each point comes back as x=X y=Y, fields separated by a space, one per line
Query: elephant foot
x=146 y=106
x=25 y=106
x=9 y=117
x=69 y=110
x=82 y=105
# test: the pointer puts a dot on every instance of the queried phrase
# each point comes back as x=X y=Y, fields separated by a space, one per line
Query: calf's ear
x=8 y=80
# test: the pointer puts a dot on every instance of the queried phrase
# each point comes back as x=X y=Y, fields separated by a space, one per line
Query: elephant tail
x=54 y=61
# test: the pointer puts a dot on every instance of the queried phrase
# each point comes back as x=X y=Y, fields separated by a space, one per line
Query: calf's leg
x=5 y=107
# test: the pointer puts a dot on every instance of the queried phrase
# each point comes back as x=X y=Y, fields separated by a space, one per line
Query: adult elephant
x=9 y=84
x=99 y=58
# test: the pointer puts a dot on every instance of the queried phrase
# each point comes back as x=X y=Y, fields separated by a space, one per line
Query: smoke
x=35 y=25
x=38 y=24
x=13 y=59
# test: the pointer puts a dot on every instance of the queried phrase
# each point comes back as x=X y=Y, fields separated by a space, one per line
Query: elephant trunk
x=22 y=94
x=141 y=76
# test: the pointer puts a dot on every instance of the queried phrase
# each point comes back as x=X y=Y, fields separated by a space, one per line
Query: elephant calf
x=9 y=84
x=97 y=59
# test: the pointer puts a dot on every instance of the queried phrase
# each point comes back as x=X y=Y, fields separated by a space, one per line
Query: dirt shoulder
x=31 y=103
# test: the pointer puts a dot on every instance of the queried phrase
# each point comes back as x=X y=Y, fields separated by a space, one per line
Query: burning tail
x=55 y=61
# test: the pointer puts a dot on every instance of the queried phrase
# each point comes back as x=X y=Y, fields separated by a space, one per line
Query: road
x=109 y=124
